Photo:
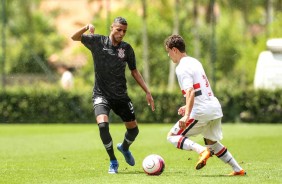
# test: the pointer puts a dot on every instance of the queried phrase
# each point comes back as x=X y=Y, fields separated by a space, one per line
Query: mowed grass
x=66 y=154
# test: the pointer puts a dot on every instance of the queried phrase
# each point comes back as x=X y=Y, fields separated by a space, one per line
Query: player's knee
x=104 y=132
x=103 y=126
x=209 y=142
x=169 y=134
x=169 y=137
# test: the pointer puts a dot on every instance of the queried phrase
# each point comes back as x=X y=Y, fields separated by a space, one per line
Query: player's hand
x=150 y=101
x=91 y=28
x=182 y=122
x=181 y=110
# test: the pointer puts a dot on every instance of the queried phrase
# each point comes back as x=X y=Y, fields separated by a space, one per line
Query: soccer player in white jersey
x=202 y=112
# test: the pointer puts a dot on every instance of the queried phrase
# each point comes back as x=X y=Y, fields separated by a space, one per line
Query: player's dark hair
x=175 y=41
x=120 y=20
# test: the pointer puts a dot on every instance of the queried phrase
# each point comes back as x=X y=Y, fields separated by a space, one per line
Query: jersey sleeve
x=186 y=79
x=131 y=61
x=90 y=40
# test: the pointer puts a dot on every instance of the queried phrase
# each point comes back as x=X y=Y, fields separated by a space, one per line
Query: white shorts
x=209 y=129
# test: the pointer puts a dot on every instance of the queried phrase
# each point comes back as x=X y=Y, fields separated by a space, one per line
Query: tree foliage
x=32 y=37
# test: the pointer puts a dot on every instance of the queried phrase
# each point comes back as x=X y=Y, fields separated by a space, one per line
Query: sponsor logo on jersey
x=110 y=51
x=107 y=49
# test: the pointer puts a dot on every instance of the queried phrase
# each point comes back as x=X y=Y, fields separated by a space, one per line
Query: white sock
x=223 y=154
x=184 y=143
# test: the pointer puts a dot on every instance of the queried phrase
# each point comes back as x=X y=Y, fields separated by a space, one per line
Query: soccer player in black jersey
x=111 y=55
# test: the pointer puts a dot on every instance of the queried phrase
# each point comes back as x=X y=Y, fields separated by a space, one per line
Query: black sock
x=107 y=139
x=129 y=137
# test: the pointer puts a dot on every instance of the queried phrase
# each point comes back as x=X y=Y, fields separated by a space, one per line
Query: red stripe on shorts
x=186 y=126
x=179 y=142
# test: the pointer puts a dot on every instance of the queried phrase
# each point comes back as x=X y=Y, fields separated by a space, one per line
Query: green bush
x=57 y=106
x=46 y=107
x=251 y=105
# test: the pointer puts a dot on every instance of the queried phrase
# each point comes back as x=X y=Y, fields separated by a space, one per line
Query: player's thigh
x=193 y=128
x=125 y=110
x=101 y=109
x=213 y=130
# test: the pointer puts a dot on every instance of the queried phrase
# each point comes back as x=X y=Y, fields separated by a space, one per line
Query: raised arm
x=138 y=77
x=77 y=35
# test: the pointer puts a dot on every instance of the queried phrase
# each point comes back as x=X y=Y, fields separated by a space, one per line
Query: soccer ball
x=153 y=164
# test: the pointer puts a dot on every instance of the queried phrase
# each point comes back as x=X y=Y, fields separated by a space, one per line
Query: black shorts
x=121 y=107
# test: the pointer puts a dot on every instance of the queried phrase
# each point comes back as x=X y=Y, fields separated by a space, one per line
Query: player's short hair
x=175 y=41
x=120 y=20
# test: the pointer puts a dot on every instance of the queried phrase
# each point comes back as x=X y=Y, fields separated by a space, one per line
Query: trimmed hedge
x=63 y=107
x=53 y=107
x=260 y=106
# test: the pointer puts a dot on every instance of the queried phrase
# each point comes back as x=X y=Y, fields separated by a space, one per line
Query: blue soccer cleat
x=127 y=155
x=113 y=169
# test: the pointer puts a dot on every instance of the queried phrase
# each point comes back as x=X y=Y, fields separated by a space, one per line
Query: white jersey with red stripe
x=190 y=74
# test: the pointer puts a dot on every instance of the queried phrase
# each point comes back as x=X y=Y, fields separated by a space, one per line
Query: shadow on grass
x=219 y=175
x=131 y=172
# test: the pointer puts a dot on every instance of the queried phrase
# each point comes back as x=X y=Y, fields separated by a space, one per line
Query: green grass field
x=66 y=154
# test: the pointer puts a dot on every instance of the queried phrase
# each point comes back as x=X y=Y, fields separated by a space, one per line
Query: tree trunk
x=171 y=77
x=146 y=69
x=269 y=16
x=3 y=45
x=195 y=29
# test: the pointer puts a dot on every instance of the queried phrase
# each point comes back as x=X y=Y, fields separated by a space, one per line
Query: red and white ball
x=153 y=164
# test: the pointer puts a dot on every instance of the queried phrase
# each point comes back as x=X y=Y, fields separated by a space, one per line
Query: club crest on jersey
x=121 y=53
x=98 y=100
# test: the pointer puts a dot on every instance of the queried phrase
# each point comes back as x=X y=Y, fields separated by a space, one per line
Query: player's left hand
x=182 y=122
x=181 y=110
x=150 y=101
